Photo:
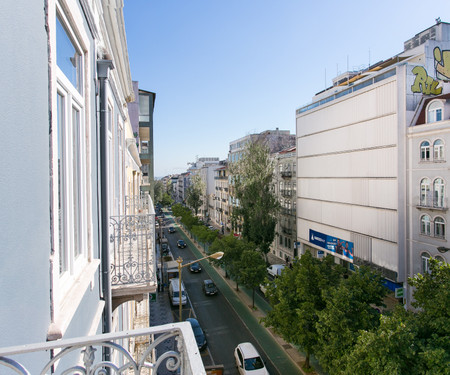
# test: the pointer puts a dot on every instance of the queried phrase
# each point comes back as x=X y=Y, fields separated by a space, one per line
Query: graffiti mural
x=424 y=83
x=442 y=63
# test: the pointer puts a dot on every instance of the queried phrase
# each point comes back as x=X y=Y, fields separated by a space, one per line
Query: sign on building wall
x=332 y=244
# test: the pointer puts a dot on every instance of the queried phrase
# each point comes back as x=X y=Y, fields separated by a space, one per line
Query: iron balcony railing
x=433 y=203
x=85 y=355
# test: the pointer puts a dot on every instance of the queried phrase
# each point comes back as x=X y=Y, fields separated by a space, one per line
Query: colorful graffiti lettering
x=442 y=63
x=424 y=83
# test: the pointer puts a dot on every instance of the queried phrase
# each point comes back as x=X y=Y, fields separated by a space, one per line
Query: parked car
x=275 y=269
x=165 y=249
x=195 y=267
x=198 y=333
x=209 y=288
x=174 y=292
x=181 y=244
x=248 y=360
x=171 y=230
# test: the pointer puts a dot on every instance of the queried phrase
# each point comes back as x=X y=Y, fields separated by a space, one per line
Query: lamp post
x=217 y=255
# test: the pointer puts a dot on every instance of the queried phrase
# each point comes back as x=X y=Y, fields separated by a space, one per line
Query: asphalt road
x=223 y=327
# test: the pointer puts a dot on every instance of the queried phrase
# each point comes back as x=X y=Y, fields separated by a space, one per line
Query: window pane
x=76 y=180
x=61 y=186
x=67 y=57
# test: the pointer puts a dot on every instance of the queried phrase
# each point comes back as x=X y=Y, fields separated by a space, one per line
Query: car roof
x=194 y=322
x=248 y=350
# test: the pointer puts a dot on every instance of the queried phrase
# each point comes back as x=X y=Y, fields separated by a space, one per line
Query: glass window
x=61 y=183
x=438 y=148
x=439 y=227
x=425 y=263
x=438 y=187
x=425 y=150
x=425 y=225
x=144 y=108
x=434 y=112
x=68 y=58
x=425 y=192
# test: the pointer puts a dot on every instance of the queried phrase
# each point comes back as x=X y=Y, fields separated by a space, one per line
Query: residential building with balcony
x=220 y=210
x=360 y=181
x=70 y=273
x=285 y=187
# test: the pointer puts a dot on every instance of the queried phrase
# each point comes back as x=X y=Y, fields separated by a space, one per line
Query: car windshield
x=253 y=363
x=210 y=286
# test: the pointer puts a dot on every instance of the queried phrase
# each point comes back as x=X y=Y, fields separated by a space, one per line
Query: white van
x=275 y=269
x=174 y=292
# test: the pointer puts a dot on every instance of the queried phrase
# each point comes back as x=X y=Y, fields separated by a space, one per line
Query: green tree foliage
x=233 y=249
x=204 y=235
x=158 y=190
x=194 y=194
x=349 y=309
x=252 y=270
x=258 y=205
x=186 y=216
x=166 y=200
x=297 y=297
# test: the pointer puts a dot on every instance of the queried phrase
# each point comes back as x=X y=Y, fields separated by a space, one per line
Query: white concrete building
x=354 y=153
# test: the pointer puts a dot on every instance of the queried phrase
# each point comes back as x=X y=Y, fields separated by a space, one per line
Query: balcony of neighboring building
x=132 y=249
x=84 y=355
x=286 y=174
x=287 y=192
x=432 y=203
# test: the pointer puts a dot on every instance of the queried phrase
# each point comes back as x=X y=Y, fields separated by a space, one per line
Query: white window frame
x=425 y=268
x=425 y=151
x=435 y=111
x=438 y=192
x=438 y=150
x=439 y=227
x=425 y=192
x=425 y=225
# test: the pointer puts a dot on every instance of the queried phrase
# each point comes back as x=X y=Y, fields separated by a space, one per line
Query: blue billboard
x=332 y=244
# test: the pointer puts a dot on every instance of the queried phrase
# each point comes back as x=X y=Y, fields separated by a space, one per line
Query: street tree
x=251 y=270
x=258 y=204
x=349 y=309
x=297 y=297
x=194 y=194
x=158 y=190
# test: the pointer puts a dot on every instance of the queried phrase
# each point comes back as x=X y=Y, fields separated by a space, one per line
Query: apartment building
x=220 y=204
x=359 y=170
x=71 y=220
x=284 y=245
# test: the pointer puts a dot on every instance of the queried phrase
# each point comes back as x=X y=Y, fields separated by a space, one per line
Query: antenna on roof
x=438 y=20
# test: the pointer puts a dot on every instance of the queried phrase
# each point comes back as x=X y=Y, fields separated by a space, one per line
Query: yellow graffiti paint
x=424 y=83
x=442 y=62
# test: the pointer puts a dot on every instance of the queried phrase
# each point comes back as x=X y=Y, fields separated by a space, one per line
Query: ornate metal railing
x=132 y=240
x=85 y=355
x=138 y=204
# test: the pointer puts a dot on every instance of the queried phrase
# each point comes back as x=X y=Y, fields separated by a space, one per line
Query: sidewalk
x=252 y=318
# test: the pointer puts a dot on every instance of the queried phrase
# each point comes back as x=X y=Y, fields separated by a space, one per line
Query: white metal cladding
x=369 y=163
x=385 y=254
x=373 y=222
x=373 y=133
x=377 y=102
x=380 y=193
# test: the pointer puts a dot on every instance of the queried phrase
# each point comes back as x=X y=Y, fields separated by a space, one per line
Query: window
x=438 y=188
x=425 y=192
x=434 y=111
x=425 y=263
x=425 y=225
x=71 y=150
x=439 y=227
x=425 y=151
x=438 y=150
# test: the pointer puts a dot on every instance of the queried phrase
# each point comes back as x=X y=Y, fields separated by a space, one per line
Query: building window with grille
x=439 y=227
x=425 y=151
x=425 y=263
x=425 y=225
x=438 y=150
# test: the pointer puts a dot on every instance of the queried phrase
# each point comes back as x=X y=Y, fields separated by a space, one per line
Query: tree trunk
x=237 y=286
x=307 y=360
x=253 y=295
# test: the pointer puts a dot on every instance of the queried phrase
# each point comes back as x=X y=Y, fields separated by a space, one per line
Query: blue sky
x=225 y=69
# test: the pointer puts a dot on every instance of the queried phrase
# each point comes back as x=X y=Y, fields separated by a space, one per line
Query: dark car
x=209 y=288
x=181 y=244
x=198 y=333
x=171 y=230
x=195 y=267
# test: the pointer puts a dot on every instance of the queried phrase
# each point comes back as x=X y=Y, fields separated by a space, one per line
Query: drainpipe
x=103 y=68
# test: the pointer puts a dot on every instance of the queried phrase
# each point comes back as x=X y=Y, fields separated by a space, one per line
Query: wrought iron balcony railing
x=85 y=355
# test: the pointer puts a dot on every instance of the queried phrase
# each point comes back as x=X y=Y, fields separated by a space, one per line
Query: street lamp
x=217 y=255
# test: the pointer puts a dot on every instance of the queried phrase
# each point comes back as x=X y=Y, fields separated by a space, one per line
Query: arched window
x=434 y=111
x=439 y=259
x=439 y=227
x=425 y=225
x=438 y=189
x=425 y=263
x=425 y=192
x=438 y=150
x=425 y=151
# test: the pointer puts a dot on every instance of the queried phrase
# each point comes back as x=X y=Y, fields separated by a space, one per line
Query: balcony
x=286 y=193
x=286 y=174
x=433 y=204
x=132 y=249
x=287 y=211
x=286 y=230
x=84 y=355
